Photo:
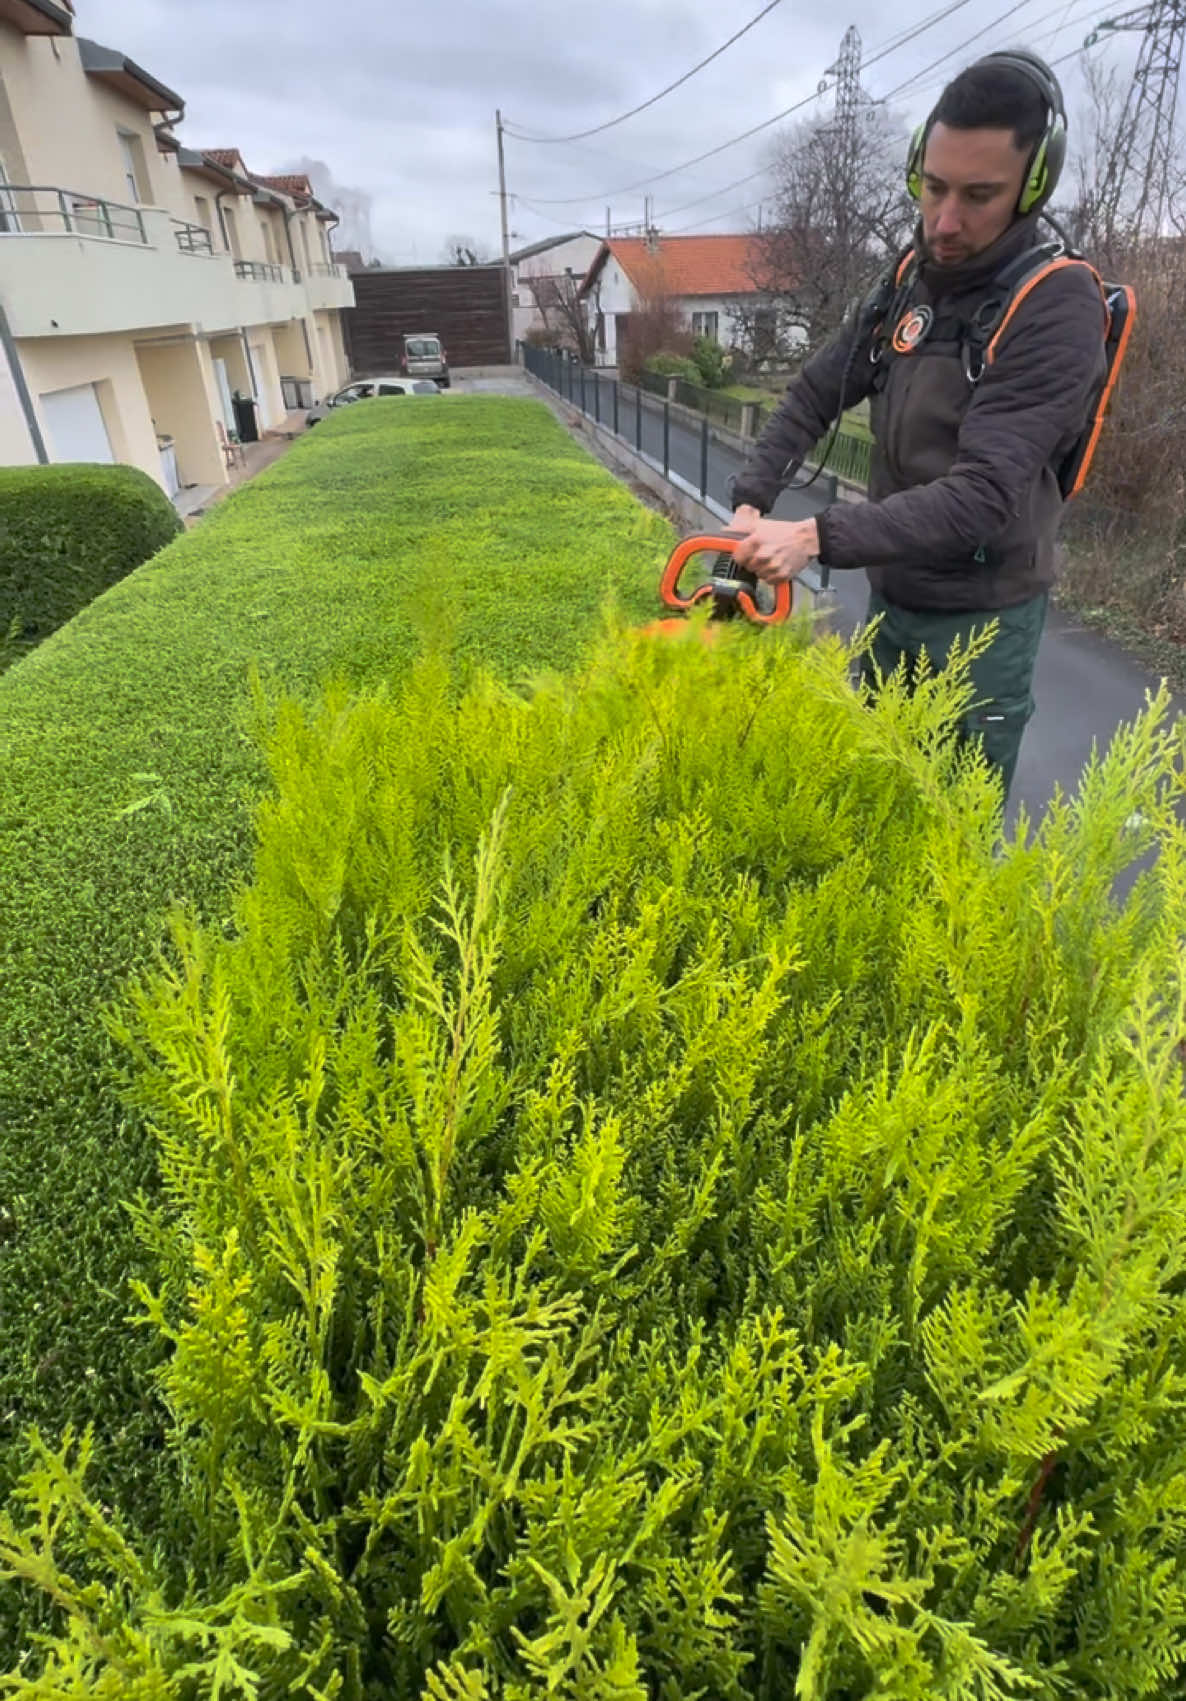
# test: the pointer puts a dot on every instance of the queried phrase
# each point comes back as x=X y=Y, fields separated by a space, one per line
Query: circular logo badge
x=912 y=329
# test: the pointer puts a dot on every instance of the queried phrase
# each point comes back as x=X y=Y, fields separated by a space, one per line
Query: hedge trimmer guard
x=732 y=590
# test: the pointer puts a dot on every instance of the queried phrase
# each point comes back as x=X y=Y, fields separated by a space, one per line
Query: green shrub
x=66 y=533
x=674 y=366
x=657 y=1203
x=710 y=361
x=126 y=780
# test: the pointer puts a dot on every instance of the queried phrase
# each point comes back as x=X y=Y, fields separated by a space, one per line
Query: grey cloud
x=399 y=100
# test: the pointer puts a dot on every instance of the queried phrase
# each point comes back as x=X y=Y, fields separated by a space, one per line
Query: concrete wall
x=68 y=123
x=179 y=384
x=16 y=445
x=270 y=408
x=109 y=362
x=182 y=397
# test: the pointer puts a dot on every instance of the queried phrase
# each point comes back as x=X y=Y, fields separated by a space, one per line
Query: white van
x=424 y=357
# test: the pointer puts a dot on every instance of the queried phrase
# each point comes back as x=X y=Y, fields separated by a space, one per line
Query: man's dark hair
x=994 y=97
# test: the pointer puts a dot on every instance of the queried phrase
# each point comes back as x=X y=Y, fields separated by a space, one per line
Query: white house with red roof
x=711 y=279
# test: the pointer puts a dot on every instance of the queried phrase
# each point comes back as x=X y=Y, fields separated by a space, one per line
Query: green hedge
x=66 y=534
x=126 y=772
x=658 y=1203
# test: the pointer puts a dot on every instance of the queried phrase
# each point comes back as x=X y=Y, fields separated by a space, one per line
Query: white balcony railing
x=73 y=264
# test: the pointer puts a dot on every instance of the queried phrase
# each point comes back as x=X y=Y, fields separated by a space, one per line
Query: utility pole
x=506 y=240
x=1134 y=195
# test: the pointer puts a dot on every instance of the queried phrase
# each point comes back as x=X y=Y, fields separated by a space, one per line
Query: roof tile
x=687 y=265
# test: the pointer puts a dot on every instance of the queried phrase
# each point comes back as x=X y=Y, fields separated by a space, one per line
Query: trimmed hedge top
x=66 y=533
x=126 y=770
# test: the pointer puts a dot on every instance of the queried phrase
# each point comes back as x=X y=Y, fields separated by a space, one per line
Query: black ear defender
x=1045 y=163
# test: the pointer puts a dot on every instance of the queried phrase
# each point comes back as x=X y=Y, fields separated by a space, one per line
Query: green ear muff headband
x=1046 y=162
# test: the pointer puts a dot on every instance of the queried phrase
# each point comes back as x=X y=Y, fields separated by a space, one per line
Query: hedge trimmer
x=734 y=593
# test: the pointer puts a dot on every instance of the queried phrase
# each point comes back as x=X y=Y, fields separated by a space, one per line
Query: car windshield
x=425 y=387
x=423 y=348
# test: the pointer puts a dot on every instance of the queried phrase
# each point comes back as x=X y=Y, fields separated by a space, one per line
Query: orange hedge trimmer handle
x=736 y=587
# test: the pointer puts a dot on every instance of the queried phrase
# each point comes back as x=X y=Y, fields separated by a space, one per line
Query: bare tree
x=1091 y=221
x=566 y=313
x=464 y=251
x=840 y=208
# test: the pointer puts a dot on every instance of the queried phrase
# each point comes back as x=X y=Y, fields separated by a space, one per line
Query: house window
x=266 y=233
x=202 y=208
x=232 y=232
x=135 y=177
x=705 y=325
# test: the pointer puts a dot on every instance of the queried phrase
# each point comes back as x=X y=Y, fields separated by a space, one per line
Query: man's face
x=971 y=180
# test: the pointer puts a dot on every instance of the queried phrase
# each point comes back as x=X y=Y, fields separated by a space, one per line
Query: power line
x=796 y=106
x=580 y=135
x=673 y=212
x=950 y=54
x=917 y=88
x=751 y=206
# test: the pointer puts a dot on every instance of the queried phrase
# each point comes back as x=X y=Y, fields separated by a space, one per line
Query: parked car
x=363 y=388
x=424 y=357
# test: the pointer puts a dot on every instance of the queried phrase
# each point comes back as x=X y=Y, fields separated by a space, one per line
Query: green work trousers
x=1002 y=676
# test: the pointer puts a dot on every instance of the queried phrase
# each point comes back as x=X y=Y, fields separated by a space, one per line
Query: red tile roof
x=682 y=265
x=229 y=158
x=291 y=183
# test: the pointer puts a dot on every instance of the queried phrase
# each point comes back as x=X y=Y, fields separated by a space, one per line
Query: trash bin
x=245 y=425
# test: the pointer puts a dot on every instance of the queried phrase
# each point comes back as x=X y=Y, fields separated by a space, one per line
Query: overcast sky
x=399 y=99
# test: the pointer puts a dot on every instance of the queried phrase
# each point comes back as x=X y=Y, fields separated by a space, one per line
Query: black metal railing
x=745 y=418
x=624 y=408
x=261 y=271
x=30 y=209
x=192 y=238
x=321 y=270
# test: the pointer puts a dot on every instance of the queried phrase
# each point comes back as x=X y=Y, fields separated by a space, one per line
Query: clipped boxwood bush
x=127 y=773
x=66 y=533
x=657 y=1203
x=674 y=366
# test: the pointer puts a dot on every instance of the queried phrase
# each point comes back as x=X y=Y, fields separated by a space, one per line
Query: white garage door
x=74 y=425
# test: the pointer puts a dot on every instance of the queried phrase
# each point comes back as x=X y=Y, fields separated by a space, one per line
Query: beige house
x=144 y=284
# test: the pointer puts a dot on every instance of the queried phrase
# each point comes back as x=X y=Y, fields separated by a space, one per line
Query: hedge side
x=658 y=1203
x=66 y=533
x=126 y=768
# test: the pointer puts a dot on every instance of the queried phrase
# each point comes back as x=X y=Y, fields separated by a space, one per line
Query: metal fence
x=261 y=271
x=192 y=238
x=722 y=410
x=27 y=209
x=622 y=408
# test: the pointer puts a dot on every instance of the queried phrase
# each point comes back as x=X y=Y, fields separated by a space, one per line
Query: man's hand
x=774 y=550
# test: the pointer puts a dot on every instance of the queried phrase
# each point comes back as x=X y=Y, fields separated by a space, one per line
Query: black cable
x=796 y=106
x=580 y=135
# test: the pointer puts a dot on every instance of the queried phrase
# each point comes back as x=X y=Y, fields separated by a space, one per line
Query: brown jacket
x=964 y=500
